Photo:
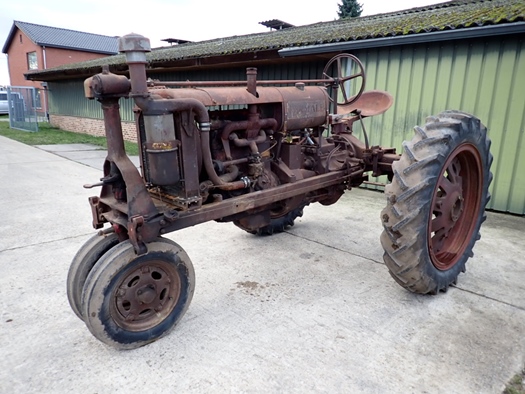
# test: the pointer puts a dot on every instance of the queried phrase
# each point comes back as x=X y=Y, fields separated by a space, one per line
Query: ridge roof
x=56 y=37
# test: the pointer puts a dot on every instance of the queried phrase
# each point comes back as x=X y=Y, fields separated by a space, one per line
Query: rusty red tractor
x=256 y=154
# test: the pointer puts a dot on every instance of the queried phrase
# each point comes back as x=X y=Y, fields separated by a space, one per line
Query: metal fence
x=24 y=104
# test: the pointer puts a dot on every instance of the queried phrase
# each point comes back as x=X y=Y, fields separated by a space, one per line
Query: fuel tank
x=294 y=107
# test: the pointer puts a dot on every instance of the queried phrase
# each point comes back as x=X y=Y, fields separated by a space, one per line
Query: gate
x=23 y=104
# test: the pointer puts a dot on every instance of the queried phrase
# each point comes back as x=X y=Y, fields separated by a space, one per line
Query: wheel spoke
x=343 y=92
x=339 y=69
x=446 y=185
x=439 y=223
x=350 y=77
x=437 y=240
x=454 y=170
x=440 y=201
x=327 y=76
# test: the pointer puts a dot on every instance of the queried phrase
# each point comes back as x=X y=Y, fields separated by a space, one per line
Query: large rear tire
x=436 y=202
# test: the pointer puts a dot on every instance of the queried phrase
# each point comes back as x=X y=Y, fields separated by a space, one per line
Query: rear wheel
x=436 y=202
x=129 y=301
x=281 y=218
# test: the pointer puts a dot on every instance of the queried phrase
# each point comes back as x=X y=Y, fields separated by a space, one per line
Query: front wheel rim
x=455 y=206
x=145 y=295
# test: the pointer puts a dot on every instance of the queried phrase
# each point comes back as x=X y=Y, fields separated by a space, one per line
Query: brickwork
x=21 y=45
x=58 y=57
x=93 y=127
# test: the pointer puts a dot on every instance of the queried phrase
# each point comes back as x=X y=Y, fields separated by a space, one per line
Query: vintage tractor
x=256 y=154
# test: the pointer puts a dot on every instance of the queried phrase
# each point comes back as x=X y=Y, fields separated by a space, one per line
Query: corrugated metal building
x=466 y=55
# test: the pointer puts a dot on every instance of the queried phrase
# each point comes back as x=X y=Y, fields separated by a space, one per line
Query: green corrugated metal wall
x=67 y=98
x=482 y=77
x=485 y=78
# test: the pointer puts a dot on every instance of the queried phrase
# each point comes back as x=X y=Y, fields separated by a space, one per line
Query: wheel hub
x=457 y=208
x=145 y=296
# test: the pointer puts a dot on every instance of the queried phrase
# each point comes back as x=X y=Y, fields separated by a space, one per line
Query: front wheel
x=83 y=262
x=129 y=301
x=436 y=202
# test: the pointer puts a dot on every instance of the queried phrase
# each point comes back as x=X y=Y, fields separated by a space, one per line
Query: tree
x=349 y=9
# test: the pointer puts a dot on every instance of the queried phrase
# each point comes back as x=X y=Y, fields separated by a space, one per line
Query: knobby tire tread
x=406 y=216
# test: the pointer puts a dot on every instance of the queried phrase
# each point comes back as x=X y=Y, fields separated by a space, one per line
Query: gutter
x=79 y=49
x=416 y=38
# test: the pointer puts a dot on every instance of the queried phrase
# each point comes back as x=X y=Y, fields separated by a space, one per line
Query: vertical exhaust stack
x=251 y=76
x=161 y=145
x=135 y=47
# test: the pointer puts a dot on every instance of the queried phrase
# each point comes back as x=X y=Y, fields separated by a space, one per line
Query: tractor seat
x=371 y=102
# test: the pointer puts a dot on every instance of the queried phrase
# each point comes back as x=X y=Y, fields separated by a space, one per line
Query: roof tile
x=457 y=14
x=68 y=39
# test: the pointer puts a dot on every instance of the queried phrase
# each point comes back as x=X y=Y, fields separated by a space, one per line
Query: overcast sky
x=193 y=20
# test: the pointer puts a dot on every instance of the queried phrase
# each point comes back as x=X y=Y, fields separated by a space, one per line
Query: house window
x=32 y=62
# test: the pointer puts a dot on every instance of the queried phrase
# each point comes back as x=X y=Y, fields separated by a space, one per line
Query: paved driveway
x=310 y=310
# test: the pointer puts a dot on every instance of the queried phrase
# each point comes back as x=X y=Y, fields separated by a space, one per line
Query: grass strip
x=49 y=135
x=516 y=384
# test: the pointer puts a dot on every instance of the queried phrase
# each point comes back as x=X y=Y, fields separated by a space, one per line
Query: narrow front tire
x=129 y=301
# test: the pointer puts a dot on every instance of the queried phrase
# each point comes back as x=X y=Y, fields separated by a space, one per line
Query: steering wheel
x=341 y=82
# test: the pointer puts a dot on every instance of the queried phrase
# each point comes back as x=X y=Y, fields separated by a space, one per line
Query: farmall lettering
x=255 y=155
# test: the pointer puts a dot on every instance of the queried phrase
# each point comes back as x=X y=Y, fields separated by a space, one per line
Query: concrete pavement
x=310 y=310
x=87 y=154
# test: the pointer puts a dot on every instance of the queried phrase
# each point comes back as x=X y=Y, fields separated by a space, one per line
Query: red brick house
x=35 y=47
